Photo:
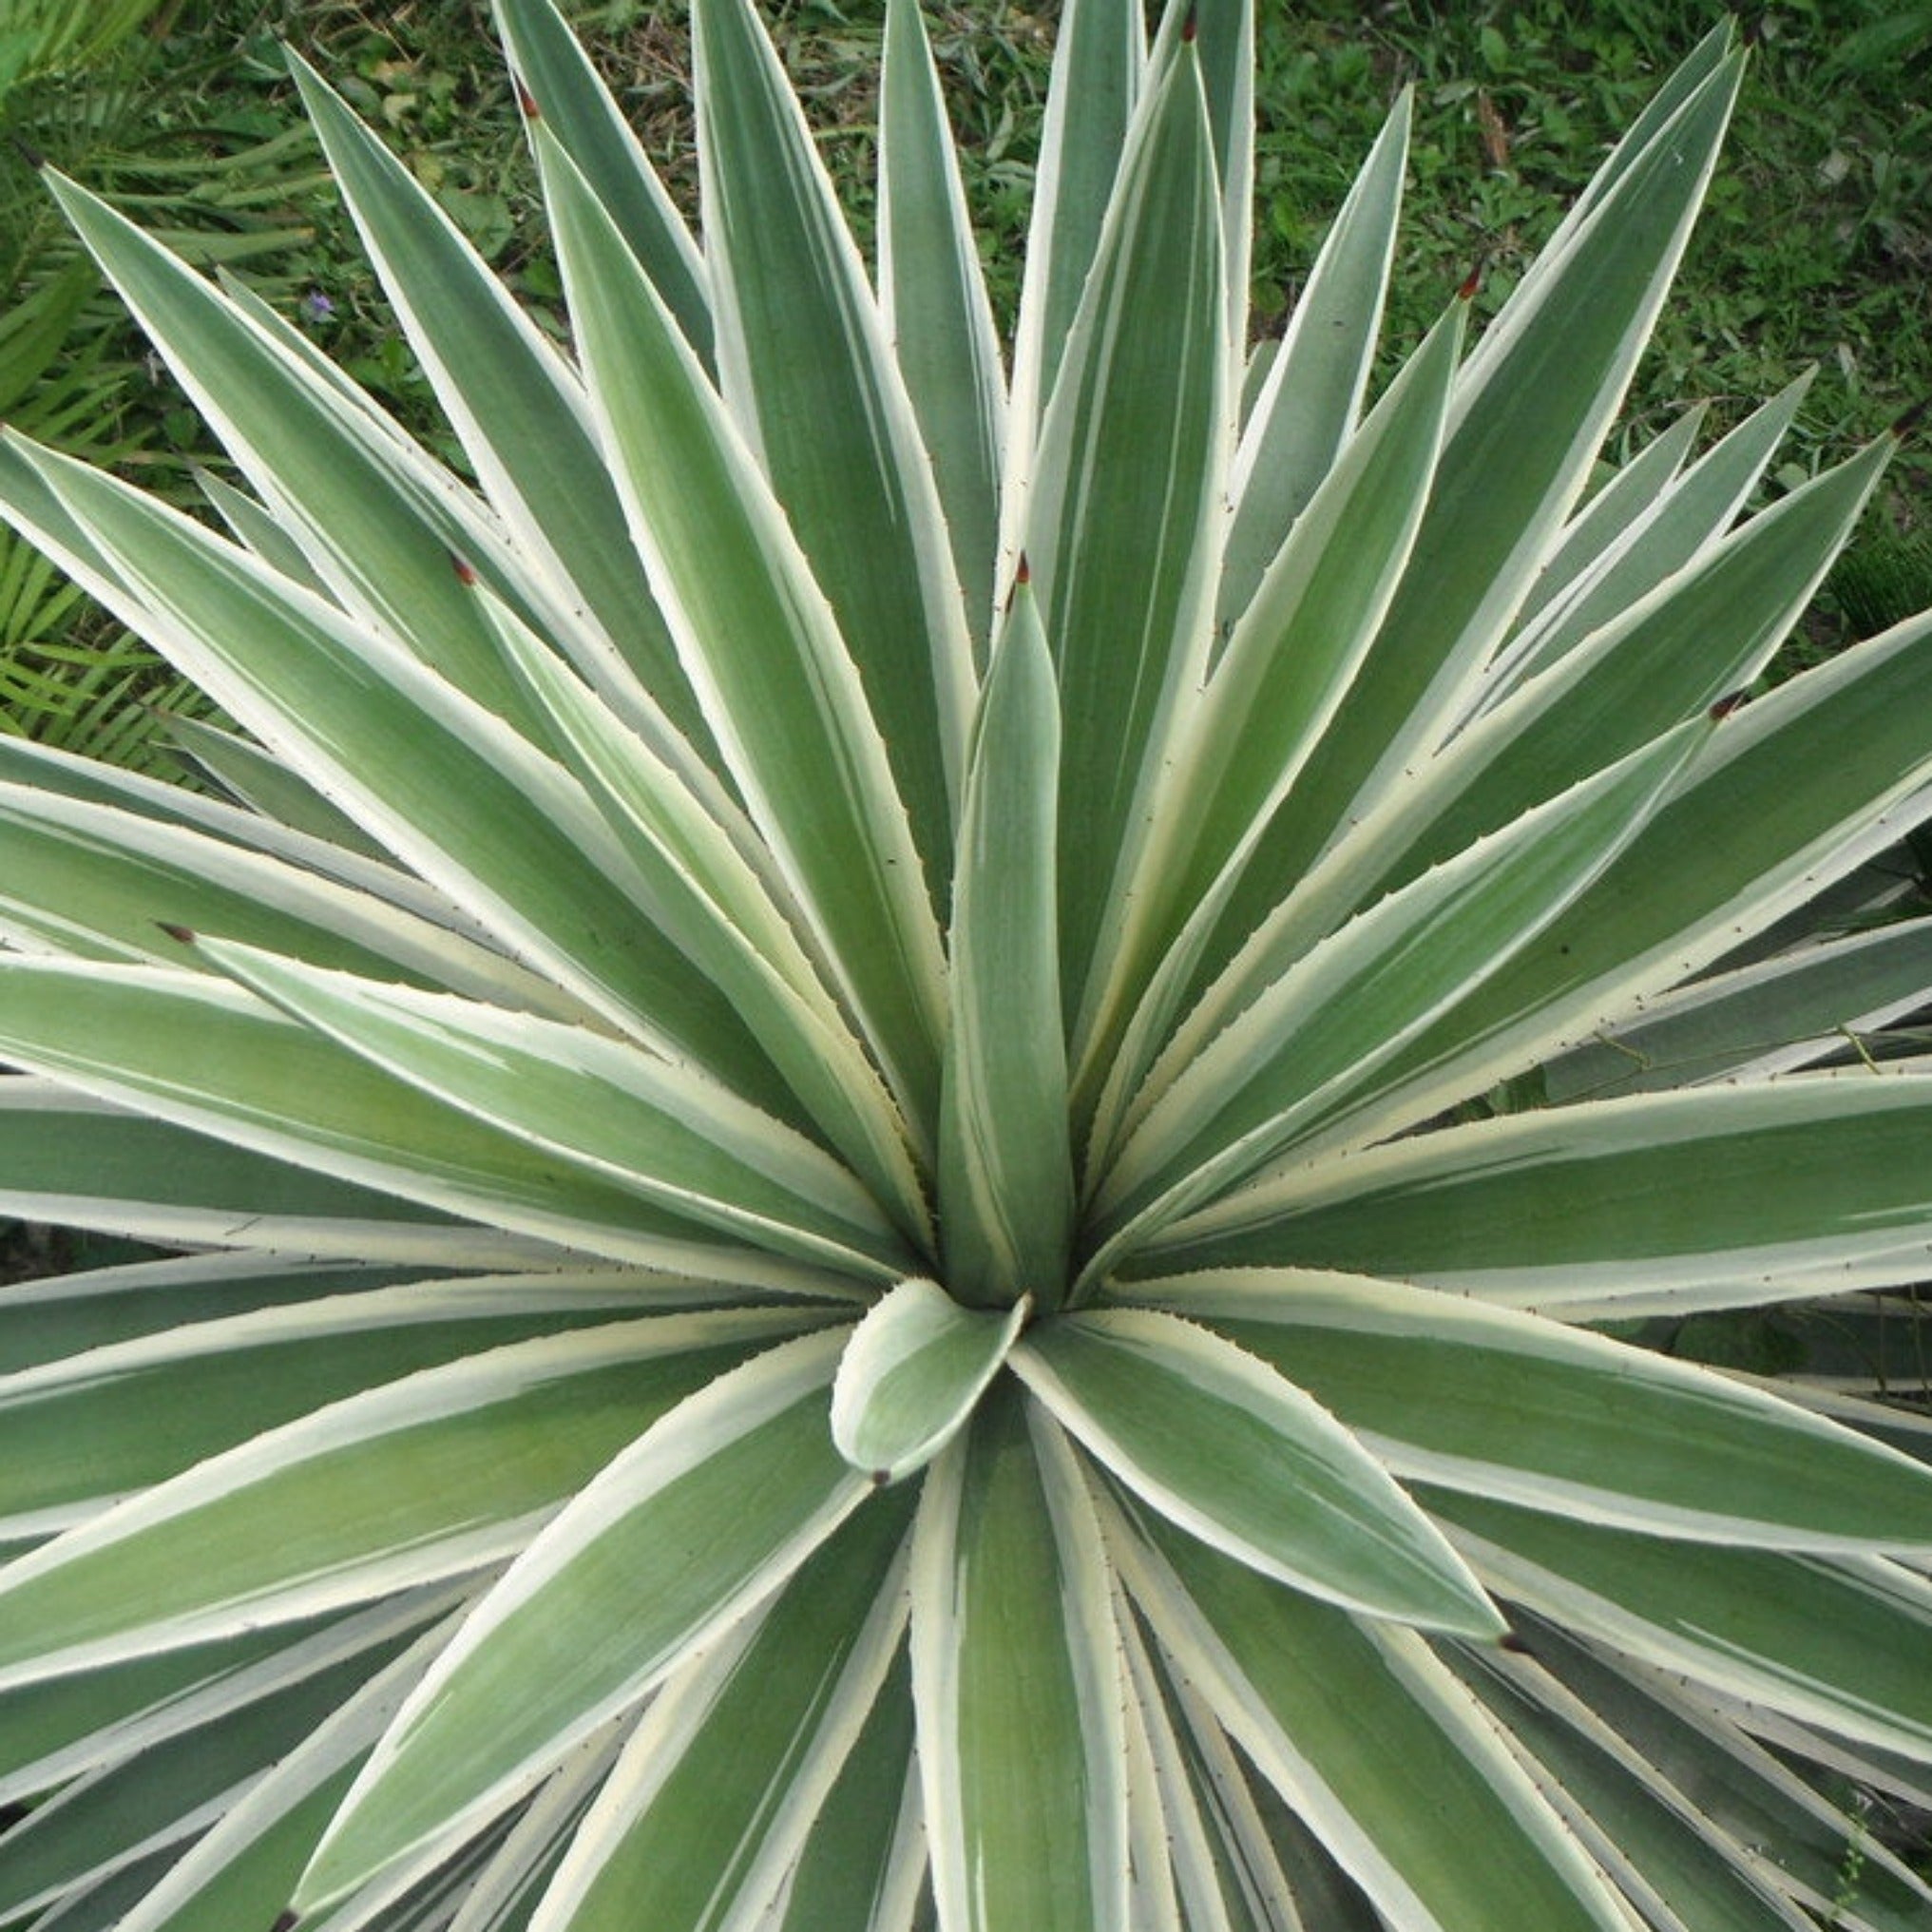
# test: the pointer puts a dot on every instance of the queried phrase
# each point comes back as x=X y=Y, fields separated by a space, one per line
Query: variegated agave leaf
x=846 y=1255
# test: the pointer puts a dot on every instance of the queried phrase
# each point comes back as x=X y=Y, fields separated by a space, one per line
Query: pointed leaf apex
x=466 y=571
x=1191 y=26
x=181 y=935
x=287 y=1922
x=1471 y=284
x=1910 y=420
x=526 y=100
x=29 y=153
x=1726 y=705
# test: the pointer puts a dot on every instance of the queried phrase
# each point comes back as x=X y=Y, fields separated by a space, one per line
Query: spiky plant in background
x=844 y=1267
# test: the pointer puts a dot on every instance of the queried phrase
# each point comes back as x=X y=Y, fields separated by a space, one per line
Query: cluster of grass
x=1815 y=251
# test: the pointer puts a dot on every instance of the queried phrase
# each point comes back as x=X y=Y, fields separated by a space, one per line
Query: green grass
x=1815 y=249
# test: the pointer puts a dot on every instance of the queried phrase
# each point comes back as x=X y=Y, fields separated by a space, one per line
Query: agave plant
x=843 y=1099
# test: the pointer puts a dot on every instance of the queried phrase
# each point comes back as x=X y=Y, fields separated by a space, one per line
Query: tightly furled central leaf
x=855 y=1249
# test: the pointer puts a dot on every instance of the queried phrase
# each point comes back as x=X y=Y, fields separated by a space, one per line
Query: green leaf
x=912 y=1373
x=1217 y=1441
x=863 y=1865
x=101 y=1308
x=1223 y=1876
x=571 y=97
x=1223 y=35
x=1256 y=1064
x=1765 y=1017
x=76 y=1433
x=1307 y=405
x=211 y=1058
x=1099 y=61
x=806 y=369
x=523 y=1859
x=256 y=779
x=1738 y=1787
x=1016 y=1679
x=1005 y=1169
x=1700 y=637
x=326 y=474
x=707 y=1511
x=713 y=1796
x=1653 y=1840
x=1722 y=1196
x=516 y=403
x=647 y=1125
x=1284 y=668
x=1838 y=1642
x=448 y=786
x=713 y=894
x=170 y=1791
x=934 y=308
x=1125 y=505
x=95 y=881
x=1369 y=1741
x=1601 y=569
x=1449 y=1390
x=66 y=1727
x=1533 y=404
x=358 y=1499
x=763 y=646
x=44 y=768
x=83 y=1164
x=242 y=1869
x=1621 y=515
x=1795 y=790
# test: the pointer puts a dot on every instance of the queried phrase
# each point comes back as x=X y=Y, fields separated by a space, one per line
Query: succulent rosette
x=922 y=1104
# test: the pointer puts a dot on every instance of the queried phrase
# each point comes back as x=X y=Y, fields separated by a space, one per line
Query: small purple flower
x=316 y=306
